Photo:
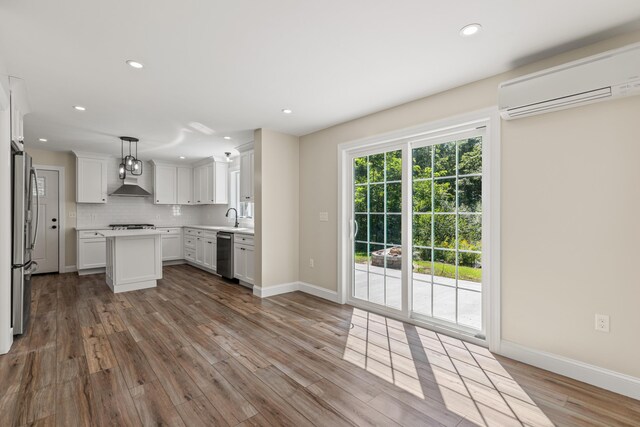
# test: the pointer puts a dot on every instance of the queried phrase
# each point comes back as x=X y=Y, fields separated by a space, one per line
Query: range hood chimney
x=130 y=188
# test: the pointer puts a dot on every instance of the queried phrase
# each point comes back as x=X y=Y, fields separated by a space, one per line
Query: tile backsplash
x=121 y=210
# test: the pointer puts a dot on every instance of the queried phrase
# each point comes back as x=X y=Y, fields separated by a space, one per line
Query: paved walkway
x=444 y=294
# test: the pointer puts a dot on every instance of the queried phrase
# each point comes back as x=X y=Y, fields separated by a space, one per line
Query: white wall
x=5 y=216
x=277 y=207
x=570 y=198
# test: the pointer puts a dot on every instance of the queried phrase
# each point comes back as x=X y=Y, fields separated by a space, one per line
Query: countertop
x=241 y=230
x=128 y=233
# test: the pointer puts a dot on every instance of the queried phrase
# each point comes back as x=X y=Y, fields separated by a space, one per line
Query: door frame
x=61 y=213
x=488 y=117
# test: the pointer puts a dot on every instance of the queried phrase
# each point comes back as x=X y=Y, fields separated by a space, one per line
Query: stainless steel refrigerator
x=25 y=230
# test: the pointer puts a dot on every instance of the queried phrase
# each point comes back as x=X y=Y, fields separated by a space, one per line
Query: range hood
x=130 y=188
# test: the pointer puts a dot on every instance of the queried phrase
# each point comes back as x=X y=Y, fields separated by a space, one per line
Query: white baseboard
x=318 y=291
x=264 y=292
x=590 y=374
x=69 y=269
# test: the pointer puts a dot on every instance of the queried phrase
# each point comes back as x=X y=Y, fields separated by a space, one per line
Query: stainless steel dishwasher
x=224 y=255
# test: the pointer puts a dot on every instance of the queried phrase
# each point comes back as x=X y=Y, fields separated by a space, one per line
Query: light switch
x=324 y=216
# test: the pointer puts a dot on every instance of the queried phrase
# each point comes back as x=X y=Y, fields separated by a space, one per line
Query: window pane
x=360 y=170
x=470 y=232
x=444 y=232
x=444 y=267
x=422 y=162
x=361 y=256
x=361 y=284
x=422 y=196
x=361 y=220
x=394 y=165
x=470 y=308
x=470 y=156
x=377 y=255
x=422 y=230
x=444 y=195
x=444 y=302
x=376 y=198
x=360 y=198
x=394 y=197
x=393 y=282
x=376 y=168
x=376 y=288
x=394 y=229
x=470 y=194
x=469 y=270
x=376 y=232
x=445 y=159
x=422 y=297
x=422 y=264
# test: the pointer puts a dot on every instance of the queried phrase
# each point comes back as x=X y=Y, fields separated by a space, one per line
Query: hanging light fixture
x=228 y=154
x=129 y=163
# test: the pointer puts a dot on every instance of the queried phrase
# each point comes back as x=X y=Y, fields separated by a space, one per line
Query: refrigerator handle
x=34 y=182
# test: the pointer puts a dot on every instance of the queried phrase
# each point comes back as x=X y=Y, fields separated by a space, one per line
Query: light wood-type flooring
x=197 y=351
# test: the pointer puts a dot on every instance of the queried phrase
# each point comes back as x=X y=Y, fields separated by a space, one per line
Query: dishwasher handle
x=224 y=236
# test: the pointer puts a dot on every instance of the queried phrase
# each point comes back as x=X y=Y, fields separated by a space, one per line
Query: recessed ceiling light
x=470 y=30
x=227 y=138
x=79 y=107
x=182 y=157
x=134 y=64
x=43 y=140
x=287 y=111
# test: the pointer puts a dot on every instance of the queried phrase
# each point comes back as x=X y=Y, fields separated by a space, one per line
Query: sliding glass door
x=435 y=276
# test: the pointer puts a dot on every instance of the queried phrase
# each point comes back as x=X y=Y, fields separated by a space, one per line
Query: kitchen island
x=133 y=259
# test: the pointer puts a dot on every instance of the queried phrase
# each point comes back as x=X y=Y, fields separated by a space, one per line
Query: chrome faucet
x=227 y=215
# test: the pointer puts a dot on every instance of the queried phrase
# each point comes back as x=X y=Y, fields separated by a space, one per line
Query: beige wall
x=569 y=214
x=277 y=207
x=68 y=161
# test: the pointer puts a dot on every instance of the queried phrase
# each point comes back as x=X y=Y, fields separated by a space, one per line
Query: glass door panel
x=377 y=216
x=447 y=231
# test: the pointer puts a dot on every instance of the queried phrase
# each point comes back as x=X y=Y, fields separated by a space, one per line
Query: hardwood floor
x=196 y=351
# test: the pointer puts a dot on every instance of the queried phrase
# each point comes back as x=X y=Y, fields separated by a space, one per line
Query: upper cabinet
x=165 y=184
x=203 y=184
x=210 y=182
x=19 y=107
x=246 y=175
x=91 y=178
x=185 y=185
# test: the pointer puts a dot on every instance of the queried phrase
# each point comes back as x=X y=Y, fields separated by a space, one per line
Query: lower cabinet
x=172 y=246
x=200 y=248
x=92 y=250
x=243 y=263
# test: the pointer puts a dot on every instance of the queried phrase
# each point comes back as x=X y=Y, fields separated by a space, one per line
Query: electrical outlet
x=72 y=214
x=324 y=216
x=602 y=323
x=311 y=262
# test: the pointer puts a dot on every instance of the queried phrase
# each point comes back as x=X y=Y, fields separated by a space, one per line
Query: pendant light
x=228 y=158
x=129 y=163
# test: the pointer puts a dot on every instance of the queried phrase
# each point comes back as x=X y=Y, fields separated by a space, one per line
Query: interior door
x=46 y=250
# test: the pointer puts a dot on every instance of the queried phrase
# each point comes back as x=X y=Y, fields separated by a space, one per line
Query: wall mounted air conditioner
x=596 y=78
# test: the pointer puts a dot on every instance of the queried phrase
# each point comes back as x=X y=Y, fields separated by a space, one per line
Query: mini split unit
x=597 y=78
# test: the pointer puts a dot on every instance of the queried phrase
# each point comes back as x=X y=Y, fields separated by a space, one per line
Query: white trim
x=285 y=288
x=488 y=117
x=61 y=214
x=70 y=269
x=319 y=292
x=581 y=371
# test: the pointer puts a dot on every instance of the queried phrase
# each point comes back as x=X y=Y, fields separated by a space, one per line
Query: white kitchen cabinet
x=91 y=250
x=210 y=183
x=244 y=263
x=165 y=184
x=199 y=251
x=91 y=179
x=172 y=246
x=19 y=106
x=185 y=185
x=246 y=176
x=209 y=249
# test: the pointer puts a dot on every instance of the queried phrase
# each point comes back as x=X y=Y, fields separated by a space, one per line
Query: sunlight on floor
x=465 y=377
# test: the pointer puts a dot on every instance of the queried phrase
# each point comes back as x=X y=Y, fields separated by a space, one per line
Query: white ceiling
x=233 y=65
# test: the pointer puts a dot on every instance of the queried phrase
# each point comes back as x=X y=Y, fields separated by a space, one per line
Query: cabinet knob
x=157 y=200
x=103 y=200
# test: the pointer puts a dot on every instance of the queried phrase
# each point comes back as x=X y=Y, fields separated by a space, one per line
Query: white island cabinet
x=134 y=259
